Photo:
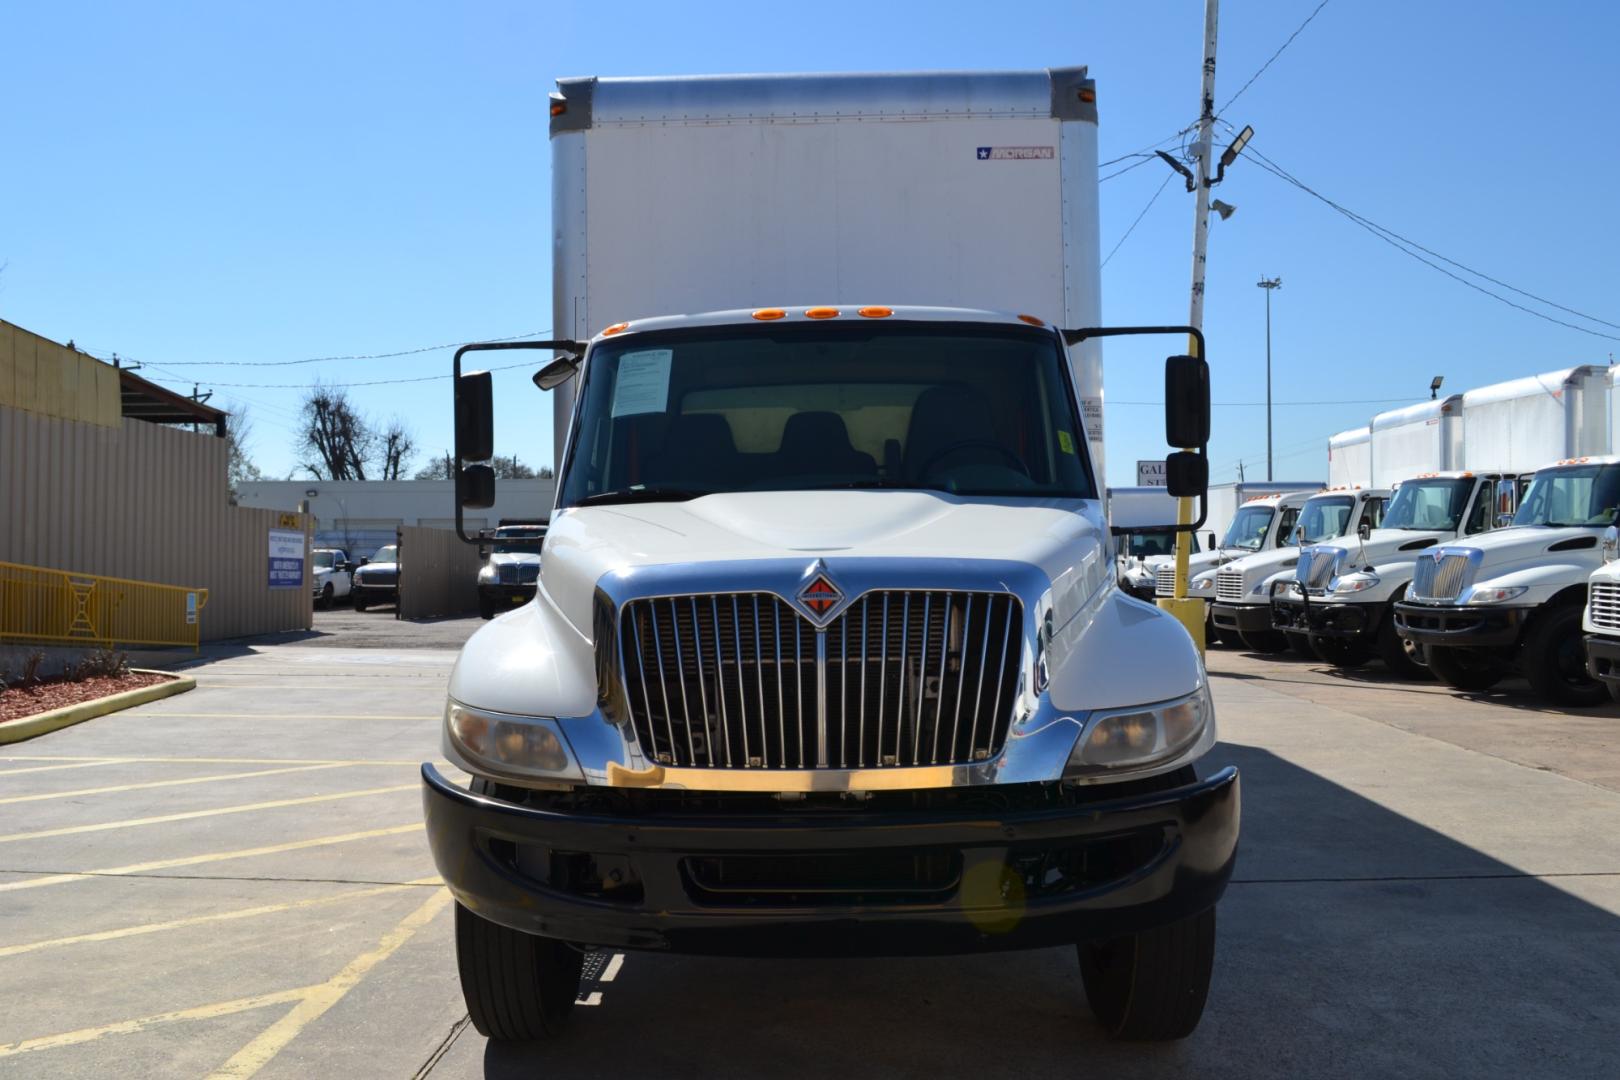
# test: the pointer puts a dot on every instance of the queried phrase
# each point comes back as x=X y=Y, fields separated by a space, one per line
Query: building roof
x=143 y=400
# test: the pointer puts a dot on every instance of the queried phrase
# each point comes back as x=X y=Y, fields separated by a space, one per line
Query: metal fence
x=37 y=604
x=438 y=573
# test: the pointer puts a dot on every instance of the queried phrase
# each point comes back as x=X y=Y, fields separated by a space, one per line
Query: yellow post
x=1190 y=612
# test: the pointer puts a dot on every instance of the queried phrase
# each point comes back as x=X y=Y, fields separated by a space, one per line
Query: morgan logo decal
x=820 y=597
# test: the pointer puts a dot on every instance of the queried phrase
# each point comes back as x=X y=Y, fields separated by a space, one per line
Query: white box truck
x=1129 y=509
x=1421 y=438
x=1520 y=425
x=1350 y=458
x=828 y=655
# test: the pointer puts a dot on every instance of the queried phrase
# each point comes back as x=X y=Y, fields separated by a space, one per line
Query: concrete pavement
x=236 y=879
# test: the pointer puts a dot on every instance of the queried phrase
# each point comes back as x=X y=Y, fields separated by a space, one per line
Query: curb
x=42 y=723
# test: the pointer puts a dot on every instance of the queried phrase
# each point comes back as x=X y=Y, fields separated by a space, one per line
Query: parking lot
x=234 y=882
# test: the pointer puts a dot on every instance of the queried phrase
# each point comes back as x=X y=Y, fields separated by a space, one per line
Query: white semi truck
x=828 y=654
x=1129 y=510
x=1241 y=607
x=1601 y=621
x=1243 y=518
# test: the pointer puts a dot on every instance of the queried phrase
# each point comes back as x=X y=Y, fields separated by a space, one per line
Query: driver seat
x=942 y=417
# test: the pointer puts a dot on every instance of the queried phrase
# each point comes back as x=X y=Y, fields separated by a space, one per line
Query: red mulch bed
x=17 y=701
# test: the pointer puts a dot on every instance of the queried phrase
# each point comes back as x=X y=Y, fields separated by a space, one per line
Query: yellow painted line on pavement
x=314 y=1004
x=219 y=761
x=222 y=916
x=163 y=819
x=55 y=768
x=129 y=1027
x=197 y=860
x=163 y=783
x=284 y=716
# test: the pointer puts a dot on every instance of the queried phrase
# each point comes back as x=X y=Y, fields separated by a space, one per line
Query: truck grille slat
x=1605 y=605
x=720 y=667
x=1440 y=576
x=1229 y=585
x=1164 y=580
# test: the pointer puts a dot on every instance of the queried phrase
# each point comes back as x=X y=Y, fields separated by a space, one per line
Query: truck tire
x=1555 y=659
x=1212 y=633
x=326 y=597
x=1264 y=641
x=1301 y=644
x=1403 y=658
x=357 y=603
x=1340 y=652
x=1614 y=691
x=1466 y=669
x=486 y=608
x=1151 y=986
x=518 y=987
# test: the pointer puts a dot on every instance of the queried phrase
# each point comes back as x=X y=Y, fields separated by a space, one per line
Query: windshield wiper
x=641 y=494
x=896 y=485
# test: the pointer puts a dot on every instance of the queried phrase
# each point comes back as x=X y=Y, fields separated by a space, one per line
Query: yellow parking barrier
x=43 y=605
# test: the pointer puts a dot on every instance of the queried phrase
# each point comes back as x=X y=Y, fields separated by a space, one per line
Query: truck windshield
x=325 y=560
x=516 y=547
x=1145 y=545
x=1248 y=529
x=1325 y=518
x=1435 y=505
x=1583 y=495
x=964 y=408
x=386 y=554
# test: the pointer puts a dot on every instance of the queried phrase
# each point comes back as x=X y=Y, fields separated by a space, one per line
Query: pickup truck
x=331 y=575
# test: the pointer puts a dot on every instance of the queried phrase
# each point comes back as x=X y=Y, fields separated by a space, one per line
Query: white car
x=332 y=574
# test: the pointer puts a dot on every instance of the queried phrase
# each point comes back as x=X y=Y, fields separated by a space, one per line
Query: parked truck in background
x=1422 y=438
x=1601 y=620
x=829 y=656
x=1241 y=608
x=1129 y=510
x=1350 y=460
x=1513 y=601
x=512 y=573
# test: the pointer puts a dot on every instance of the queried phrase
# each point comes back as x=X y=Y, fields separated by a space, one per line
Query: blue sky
x=213 y=182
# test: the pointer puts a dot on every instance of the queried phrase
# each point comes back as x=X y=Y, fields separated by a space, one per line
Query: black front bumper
x=511 y=595
x=375 y=593
x=1244 y=618
x=834 y=881
x=1460 y=626
x=1603 y=658
x=1338 y=620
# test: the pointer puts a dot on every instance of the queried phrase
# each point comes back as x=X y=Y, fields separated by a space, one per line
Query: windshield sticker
x=1066 y=441
x=643 y=384
x=1015 y=153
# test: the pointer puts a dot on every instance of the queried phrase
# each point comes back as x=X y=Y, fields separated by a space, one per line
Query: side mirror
x=364 y=559
x=1299 y=534
x=1186 y=401
x=556 y=373
x=1186 y=475
x=475 y=487
x=1364 y=530
x=1213 y=543
x=475 y=416
x=1504 y=520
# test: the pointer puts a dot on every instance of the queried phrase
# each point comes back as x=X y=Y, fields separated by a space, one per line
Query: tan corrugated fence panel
x=39 y=376
x=144 y=502
x=438 y=573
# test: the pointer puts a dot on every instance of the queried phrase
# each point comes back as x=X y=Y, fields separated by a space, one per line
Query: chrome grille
x=1604 y=604
x=1164 y=579
x=1317 y=567
x=518 y=573
x=743 y=680
x=1440 y=575
x=1229 y=585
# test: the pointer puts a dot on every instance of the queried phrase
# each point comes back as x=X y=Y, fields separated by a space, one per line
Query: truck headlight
x=1201 y=585
x=1497 y=596
x=1354 y=583
x=507 y=745
x=1125 y=738
x=488 y=575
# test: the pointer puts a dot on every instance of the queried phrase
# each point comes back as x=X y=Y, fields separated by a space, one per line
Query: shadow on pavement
x=1354 y=942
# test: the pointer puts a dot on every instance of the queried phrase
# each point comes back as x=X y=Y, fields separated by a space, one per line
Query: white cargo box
x=1426 y=437
x=1521 y=425
x=1350 y=458
x=683 y=195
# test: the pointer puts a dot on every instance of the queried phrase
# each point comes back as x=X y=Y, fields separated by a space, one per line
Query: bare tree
x=506 y=468
x=238 y=437
x=441 y=467
x=336 y=441
x=396 y=446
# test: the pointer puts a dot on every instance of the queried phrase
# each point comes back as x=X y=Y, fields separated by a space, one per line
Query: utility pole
x=1269 y=286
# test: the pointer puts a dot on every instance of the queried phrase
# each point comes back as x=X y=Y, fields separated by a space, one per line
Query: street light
x=1434 y=386
x=1268 y=285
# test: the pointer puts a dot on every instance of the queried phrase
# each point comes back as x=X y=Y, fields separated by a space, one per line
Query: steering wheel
x=965 y=444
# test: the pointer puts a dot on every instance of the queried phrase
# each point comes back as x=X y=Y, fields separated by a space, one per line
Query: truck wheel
x=359 y=604
x=1402 y=657
x=1614 y=691
x=1212 y=633
x=1301 y=644
x=1264 y=641
x=1151 y=986
x=1340 y=652
x=486 y=607
x=1555 y=660
x=518 y=987
x=326 y=597
x=1466 y=669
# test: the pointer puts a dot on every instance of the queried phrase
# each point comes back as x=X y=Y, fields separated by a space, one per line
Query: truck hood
x=1260 y=566
x=585 y=544
x=514 y=558
x=1386 y=546
x=1543 y=553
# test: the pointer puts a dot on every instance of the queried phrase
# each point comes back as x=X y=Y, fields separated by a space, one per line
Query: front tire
x=1340 y=652
x=358 y=602
x=1403 y=658
x=1301 y=644
x=1151 y=986
x=486 y=607
x=518 y=987
x=1264 y=641
x=1555 y=660
x=1466 y=669
x=326 y=597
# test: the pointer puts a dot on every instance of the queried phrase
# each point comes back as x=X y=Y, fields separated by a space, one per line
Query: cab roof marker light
x=876 y=311
x=616 y=328
x=1031 y=319
x=821 y=313
x=768 y=314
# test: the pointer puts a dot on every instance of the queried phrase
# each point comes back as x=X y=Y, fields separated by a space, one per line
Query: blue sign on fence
x=286 y=559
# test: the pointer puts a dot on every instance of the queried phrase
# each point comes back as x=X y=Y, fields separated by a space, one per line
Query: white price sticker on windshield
x=643 y=383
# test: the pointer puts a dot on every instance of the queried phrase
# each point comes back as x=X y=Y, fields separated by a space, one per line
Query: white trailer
x=1350 y=461
x=1415 y=439
x=1523 y=424
x=940 y=189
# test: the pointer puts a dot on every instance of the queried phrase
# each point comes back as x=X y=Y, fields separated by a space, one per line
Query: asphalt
x=234 y=882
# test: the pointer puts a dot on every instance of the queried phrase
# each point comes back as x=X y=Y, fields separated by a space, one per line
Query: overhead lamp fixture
x=1225 y=209
x=1434 y=386
x=310 y=493
x=1230 y=154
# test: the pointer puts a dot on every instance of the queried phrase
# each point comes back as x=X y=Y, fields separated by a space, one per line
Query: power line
x=1274 y=56
x=1412 y=249
x=1261 y=404
x=347 y=385
x=1126 y=169
x=1167 y=178
x=333 y=359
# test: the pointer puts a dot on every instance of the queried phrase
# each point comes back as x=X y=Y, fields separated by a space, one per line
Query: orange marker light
x=1032 y=320
x=616 y=328
x=875 y=312
x=558 y=108
x=1088 y=95
x=821 y=313
x=766 y=314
